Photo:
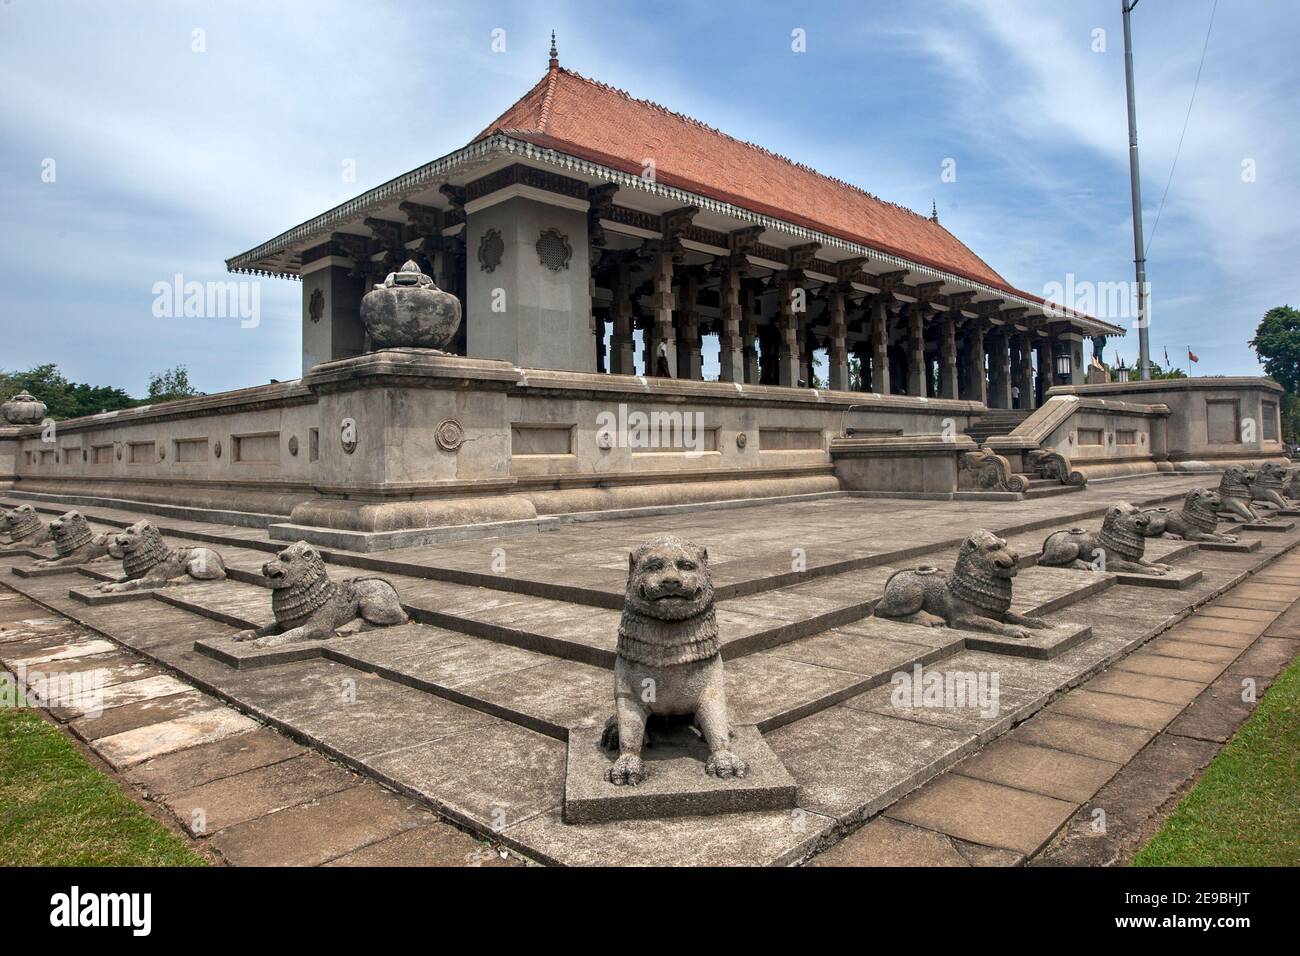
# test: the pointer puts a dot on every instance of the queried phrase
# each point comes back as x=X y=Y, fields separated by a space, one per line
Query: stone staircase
x=996 y=421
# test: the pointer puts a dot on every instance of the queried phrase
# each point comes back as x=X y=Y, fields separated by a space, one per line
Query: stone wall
x=402 y=439
x=1116 y=430
x=1212 y=422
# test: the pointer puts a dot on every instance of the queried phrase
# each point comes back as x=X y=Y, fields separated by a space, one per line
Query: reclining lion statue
x=976 y=595
x=1235 y=494
x=147 y=562
x=1197 y=521
x=74 y=542
x=309 y=606
x=1118 y=546
x=668 y=645
x=1267 y=488
x=23 y=528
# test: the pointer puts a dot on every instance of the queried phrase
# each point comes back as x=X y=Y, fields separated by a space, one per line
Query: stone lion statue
x=23 y=528
x=1118 y=546
x=1197 y=521
x=1267 y=488
x=976 y=595
x=149 y=563
x=668 y=643
x=1235 y=494
x=310 y=607
x=74 y=542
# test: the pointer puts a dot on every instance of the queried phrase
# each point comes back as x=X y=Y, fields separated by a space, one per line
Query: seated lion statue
x=1197 y=521
x=976 y=595
x=74 y=542
x=148 y=563
x=1118 y=546
x=668 y=640
x=309 y=606
x=1235 y=494
x=1267 y=488
x=23 y=528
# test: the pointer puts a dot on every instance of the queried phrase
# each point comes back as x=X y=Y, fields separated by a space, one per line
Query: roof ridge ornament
x=555 y=56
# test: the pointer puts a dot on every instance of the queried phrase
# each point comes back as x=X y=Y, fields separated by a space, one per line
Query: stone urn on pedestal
x=408 y=310
x=23 y=409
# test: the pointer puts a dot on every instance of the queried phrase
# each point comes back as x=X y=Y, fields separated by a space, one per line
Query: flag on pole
x=1166 y=356
x=1191 y=356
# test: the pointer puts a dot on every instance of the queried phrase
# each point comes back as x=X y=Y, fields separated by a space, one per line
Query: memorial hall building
x=582 y=216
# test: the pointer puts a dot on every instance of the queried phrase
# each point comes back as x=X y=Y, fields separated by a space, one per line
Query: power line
x=1190 y=103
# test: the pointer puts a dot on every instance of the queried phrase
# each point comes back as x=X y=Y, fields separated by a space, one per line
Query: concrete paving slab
x=850 y=763
x=1131 y=798
x=198 y=765
x=492 y=776
x=116 y=720
x=1114 y=709
x=1157 y=665
x=1080 y=735
x=1170 y=690
x=887 y=843
x=142 y=743
x=436 y=844
x=222 y=803
x=1051 y=772
x=985 y=813
x=320 y=831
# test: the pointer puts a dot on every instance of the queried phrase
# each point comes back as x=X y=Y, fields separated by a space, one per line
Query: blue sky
x=169 y=160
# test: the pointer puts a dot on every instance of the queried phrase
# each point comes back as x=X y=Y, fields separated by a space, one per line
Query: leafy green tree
x=64 y=399
x=1277 y=345
x=169 y=385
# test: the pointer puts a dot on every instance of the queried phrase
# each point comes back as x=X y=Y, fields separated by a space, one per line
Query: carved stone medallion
x=449 y=434
x=316 y=305
x=553 y=250
x=490 y=250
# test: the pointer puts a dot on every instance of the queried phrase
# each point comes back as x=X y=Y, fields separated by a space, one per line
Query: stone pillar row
x=976 y=361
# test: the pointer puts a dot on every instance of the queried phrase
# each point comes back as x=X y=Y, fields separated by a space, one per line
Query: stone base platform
x=1042 y=645
x=676 y=784
x=471 y=711
x=1178 y=578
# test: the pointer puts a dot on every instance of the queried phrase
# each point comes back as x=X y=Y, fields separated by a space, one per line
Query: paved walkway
x=1083 y=781
x=250 y=795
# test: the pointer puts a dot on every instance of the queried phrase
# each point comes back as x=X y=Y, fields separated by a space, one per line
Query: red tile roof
x=572 y=114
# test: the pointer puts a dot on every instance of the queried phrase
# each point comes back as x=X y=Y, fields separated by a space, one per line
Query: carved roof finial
x=555 y=56
x=934 y=211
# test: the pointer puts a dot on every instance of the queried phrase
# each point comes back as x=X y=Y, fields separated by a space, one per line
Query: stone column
x=730 y=354
x=622 y=343
x=1000 y=369
x=662 y=303
x=689 y=360
x=916 y=350
x=788 y=357
x=977 y=389
x=1025 y=371
x=1043 y=349
x=839 y=354
x=948 y=357
x=749 y=331
x=879 y=346
x=598 y=330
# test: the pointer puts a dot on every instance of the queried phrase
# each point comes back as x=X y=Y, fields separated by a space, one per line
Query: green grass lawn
x=1246 y=809
x=58 y=810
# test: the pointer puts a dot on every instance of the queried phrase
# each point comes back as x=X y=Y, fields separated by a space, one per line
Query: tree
x=169 y=385
x=62 y=398
x=1277 y=345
